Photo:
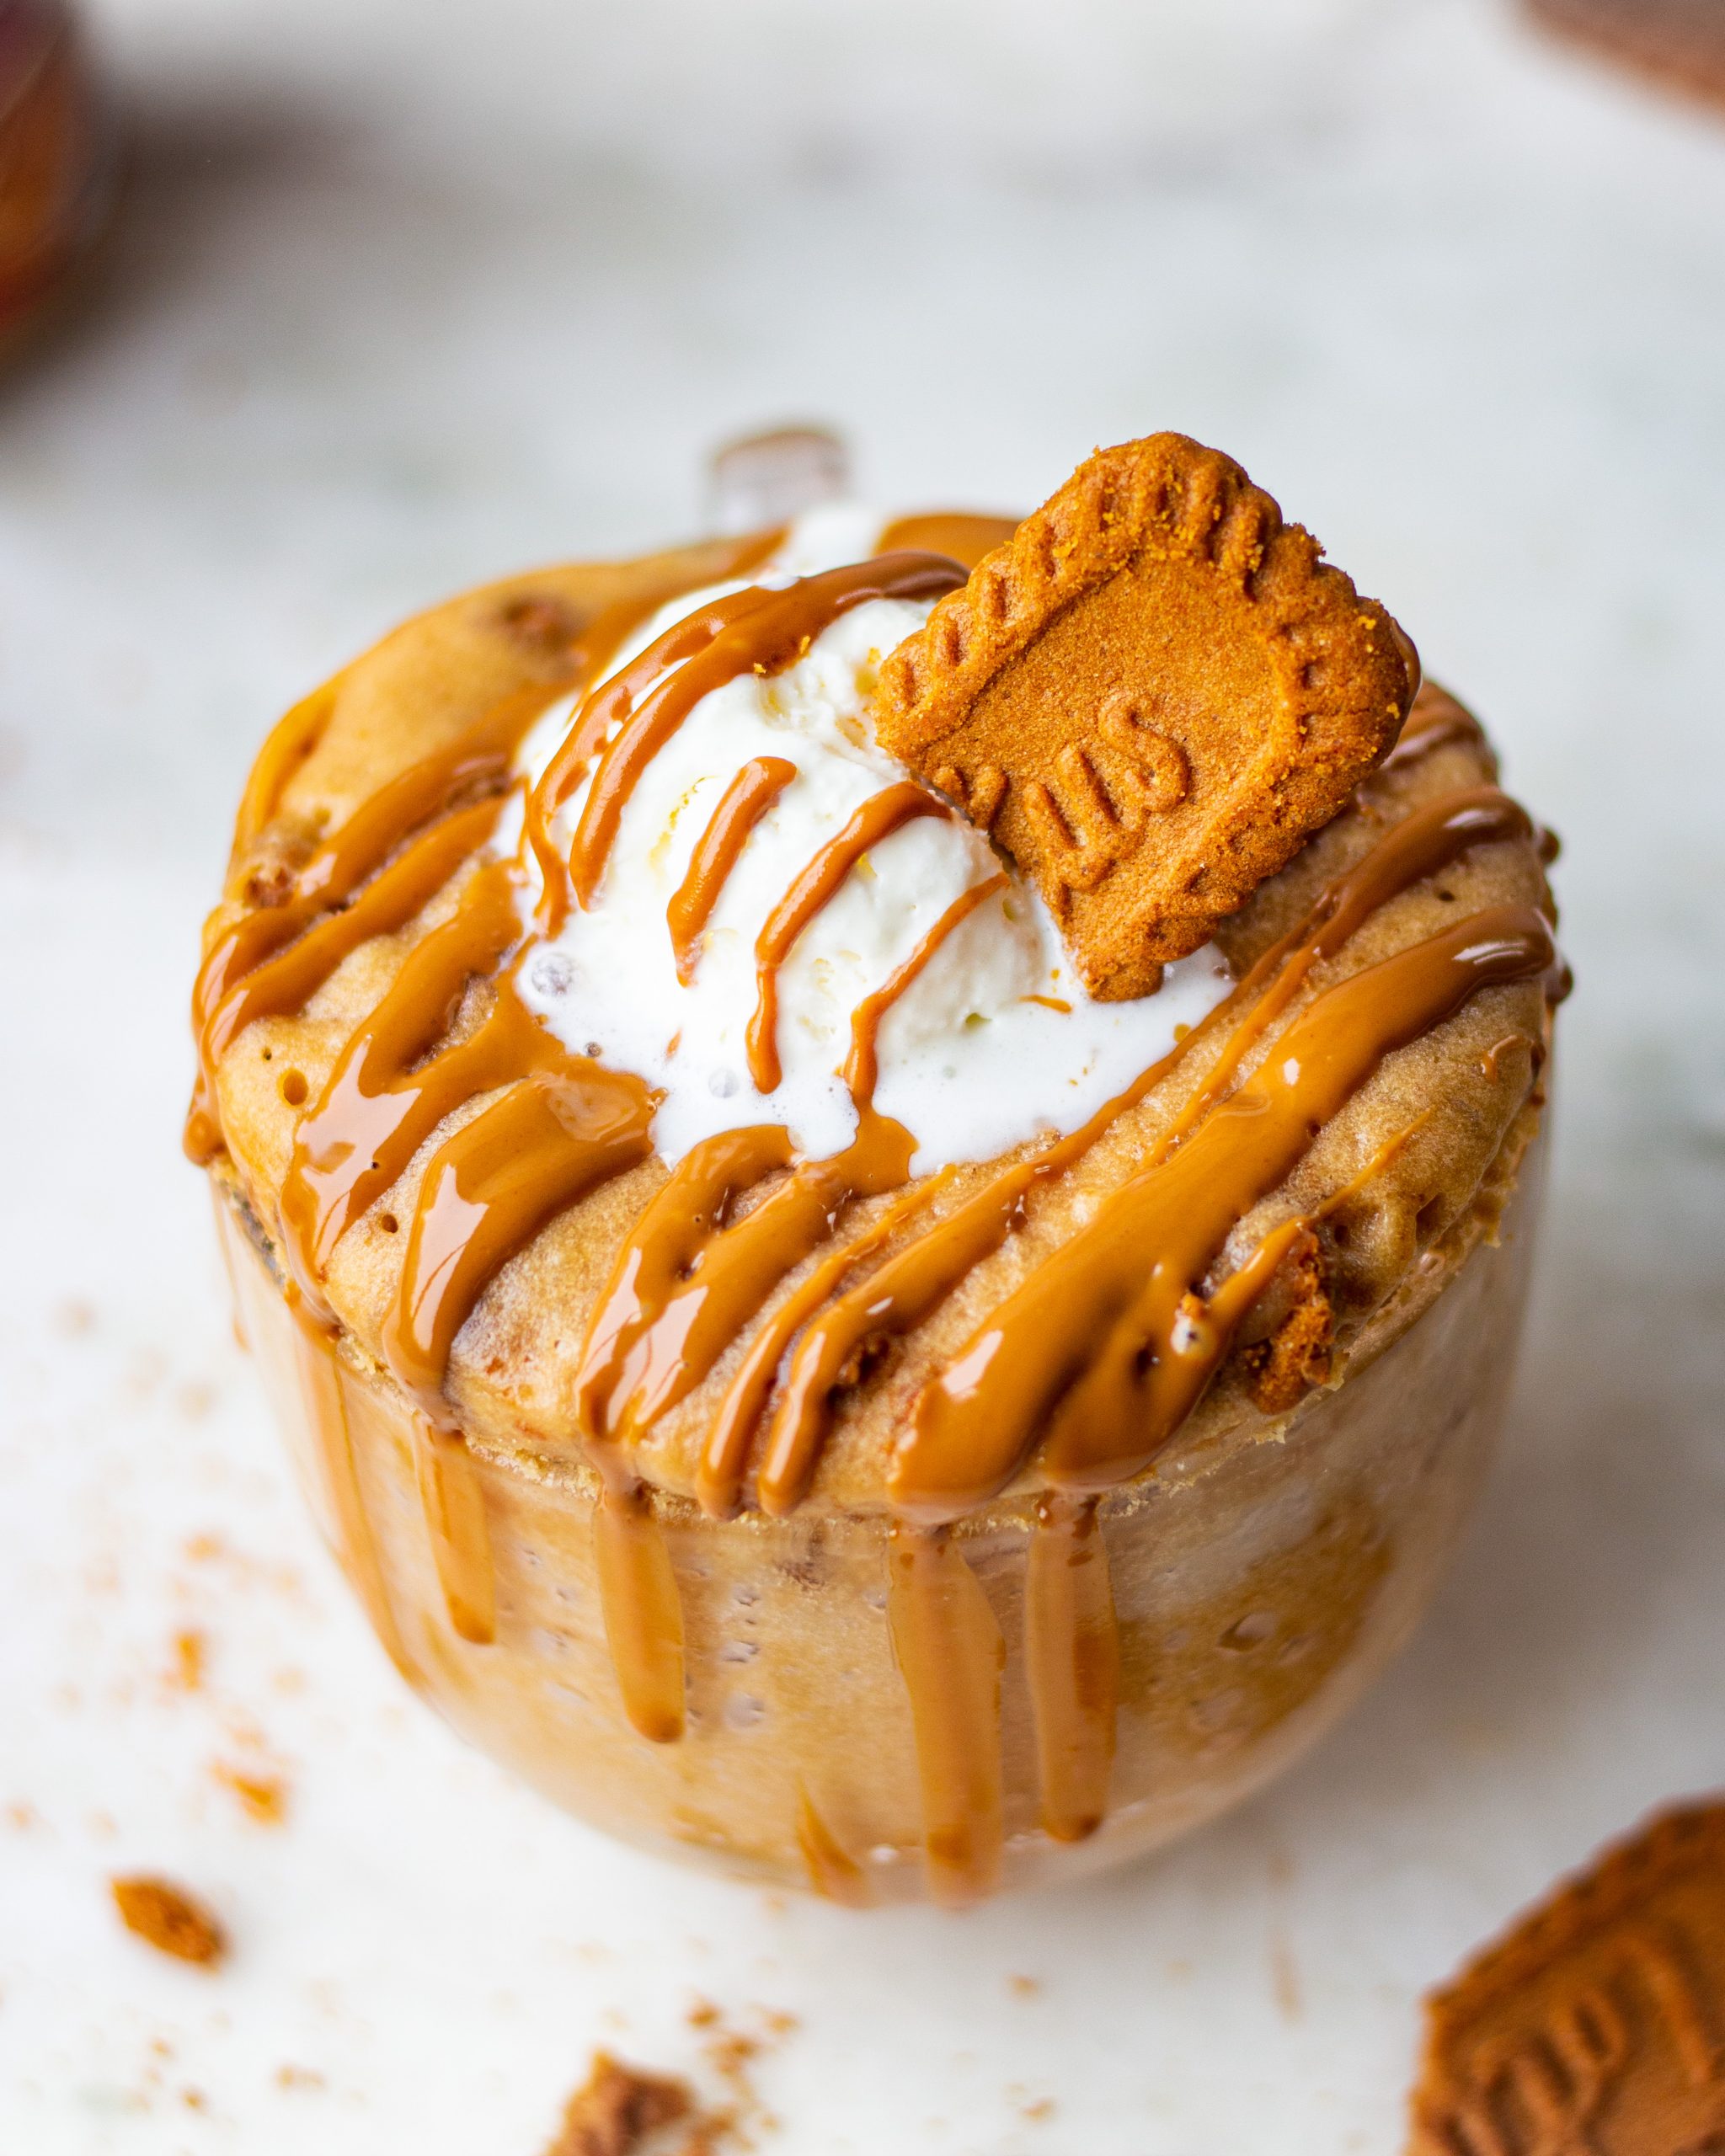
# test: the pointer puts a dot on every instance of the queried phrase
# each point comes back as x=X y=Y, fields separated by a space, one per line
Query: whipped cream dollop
x=994 y=1042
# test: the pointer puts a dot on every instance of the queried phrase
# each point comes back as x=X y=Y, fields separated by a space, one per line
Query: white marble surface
x=407 y=294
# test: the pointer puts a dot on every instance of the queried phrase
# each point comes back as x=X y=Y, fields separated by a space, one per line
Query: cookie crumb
x=169 y=1918
x=186 y=1671
x=263 y=1797
x=618 y=2110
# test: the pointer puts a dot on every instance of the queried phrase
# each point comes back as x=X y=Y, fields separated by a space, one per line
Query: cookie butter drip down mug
x=883 y=1169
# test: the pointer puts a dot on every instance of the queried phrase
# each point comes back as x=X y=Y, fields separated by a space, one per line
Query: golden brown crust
x=1150 y=698
x=1599 y=2022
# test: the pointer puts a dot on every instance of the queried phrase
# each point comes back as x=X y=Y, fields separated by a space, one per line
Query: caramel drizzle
x=720 y=847
x=638 y=710
x=833 y=1872
x=950 y=1654
x=1105 y=1360
x=963 y=537
x=561 y=1126
x=1072 y=1635
x=1431 y=839
x=453 y=1500
x=862 y=1070
x=783 y=1475
x=643 y=1321
x=273 y=960
x=902 y=1294
x=287 y=746
x=602 y=708
x=1072 y=1662
x=642 y=1611
x=386 y=1093
x=606 y=634
x=689 y=1276
x=857 y=1332
x=629 y=718
x=815 y=886
x=493 y=1184
x=1435 y=720
x=276 y=986
x=489 y=1188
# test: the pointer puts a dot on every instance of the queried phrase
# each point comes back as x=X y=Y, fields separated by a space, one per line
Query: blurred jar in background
x=56 y=156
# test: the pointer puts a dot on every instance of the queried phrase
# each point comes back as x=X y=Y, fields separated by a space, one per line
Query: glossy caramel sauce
x=1435 y=720
x=540 y=1146
x=644 y=1613
x=1096 y=1360
x=949 y=1651
x=743 y=804
x=454 y=1505
x=833 y=1872
x=965 y=538
x=862 y=1066
x=676 y=1300
x=398 y=1078
x=905 y=1291
x=634 y=713
x=1072 y=1656
x=596 y=644
x=878 y=817
x=1089 y=1366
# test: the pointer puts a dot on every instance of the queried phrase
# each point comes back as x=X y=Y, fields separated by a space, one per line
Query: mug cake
x=882 y=1169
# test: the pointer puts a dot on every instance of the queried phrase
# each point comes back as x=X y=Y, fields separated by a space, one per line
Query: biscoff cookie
x=1600 y=2022
x=1150 y=698
x=1678 y=44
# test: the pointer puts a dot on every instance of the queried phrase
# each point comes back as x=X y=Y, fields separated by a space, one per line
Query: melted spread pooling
x=1088 y=1366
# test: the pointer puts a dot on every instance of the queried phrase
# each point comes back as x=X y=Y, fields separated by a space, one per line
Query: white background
x=407 y=294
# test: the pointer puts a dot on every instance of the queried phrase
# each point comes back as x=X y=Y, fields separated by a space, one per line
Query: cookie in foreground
x=1599 y=2021
x=795 y=1366
x=1678 y=44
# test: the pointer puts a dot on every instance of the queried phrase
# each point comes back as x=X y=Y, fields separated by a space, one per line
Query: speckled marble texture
x=407 y=294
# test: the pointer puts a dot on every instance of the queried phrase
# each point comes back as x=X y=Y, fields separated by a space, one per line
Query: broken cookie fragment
x=167 y=1918
x=1149 y=697
x=620 y=2109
